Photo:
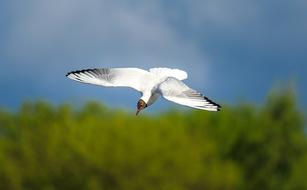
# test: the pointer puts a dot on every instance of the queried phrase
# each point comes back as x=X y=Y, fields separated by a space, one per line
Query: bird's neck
x=146 y=96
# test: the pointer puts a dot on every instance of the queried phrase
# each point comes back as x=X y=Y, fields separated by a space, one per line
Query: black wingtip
x=77 y=71
x=213 y=103
x=71 y=72
x=86 y=70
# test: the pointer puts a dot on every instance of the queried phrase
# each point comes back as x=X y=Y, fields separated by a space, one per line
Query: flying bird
x=151 y=84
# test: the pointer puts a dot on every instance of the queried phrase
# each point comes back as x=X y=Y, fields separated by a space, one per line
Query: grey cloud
x=134 y=34
x=214 y=40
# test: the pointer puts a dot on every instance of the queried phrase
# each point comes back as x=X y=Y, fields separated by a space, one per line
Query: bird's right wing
x=115 y=77
x=176 y=91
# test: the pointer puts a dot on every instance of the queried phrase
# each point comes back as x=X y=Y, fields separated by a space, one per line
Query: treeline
x=94 y=147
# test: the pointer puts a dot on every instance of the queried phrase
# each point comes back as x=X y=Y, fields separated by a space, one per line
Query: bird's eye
x=139 y=105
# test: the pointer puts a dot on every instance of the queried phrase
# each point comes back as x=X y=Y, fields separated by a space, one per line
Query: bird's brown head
x=140 y=105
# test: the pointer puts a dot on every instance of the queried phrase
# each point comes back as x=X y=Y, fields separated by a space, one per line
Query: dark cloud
x=229 y=48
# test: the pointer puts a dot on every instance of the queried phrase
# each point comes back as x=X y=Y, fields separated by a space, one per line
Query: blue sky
x=233 y=50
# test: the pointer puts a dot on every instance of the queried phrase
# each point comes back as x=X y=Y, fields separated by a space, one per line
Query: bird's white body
x=153 y=83
x=156 y=76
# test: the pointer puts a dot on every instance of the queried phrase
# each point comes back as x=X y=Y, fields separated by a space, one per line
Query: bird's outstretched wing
x=125 y=77
x=167 y=72
x=176 y=91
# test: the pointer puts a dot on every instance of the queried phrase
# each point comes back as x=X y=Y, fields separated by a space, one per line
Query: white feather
x=167 y=72
x=116 y=77
x=176 y=91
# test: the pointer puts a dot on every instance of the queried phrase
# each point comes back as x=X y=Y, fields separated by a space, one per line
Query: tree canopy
x=242 y=147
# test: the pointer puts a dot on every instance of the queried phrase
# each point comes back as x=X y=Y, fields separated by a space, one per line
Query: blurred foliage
x=241 y=147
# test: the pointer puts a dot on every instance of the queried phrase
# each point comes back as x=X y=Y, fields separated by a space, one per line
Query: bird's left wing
x=167 y=72
x=115 y=77
x=176 y=91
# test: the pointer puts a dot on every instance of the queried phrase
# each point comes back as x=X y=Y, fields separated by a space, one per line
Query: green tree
x=92 y=147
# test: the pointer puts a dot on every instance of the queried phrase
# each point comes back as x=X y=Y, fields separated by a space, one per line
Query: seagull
x=151 y=84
